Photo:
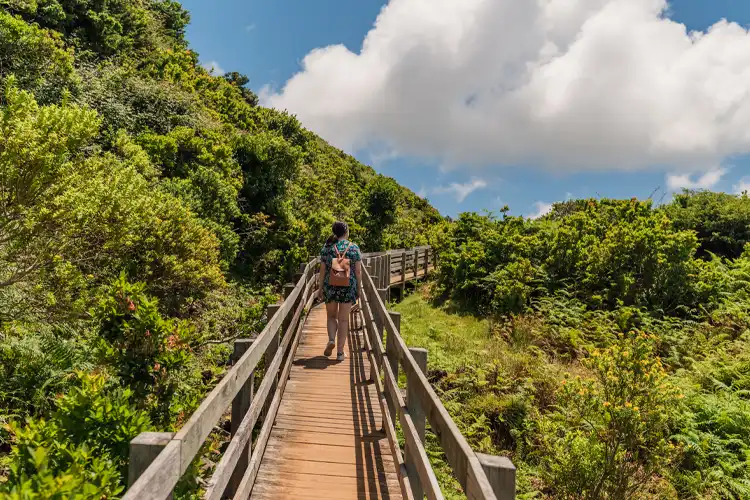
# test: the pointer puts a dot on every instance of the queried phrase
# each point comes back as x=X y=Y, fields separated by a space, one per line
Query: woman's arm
x=321 y=278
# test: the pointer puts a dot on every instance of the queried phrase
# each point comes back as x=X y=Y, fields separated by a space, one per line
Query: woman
x=339 y=299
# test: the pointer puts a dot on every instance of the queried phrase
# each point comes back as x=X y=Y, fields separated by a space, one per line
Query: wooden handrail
x=235 y=474
x=465 y=464
x=160 y=478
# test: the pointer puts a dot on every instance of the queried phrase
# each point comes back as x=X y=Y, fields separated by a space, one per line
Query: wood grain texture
x=327 y=440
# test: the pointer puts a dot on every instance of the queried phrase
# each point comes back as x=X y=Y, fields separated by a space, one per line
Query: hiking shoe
x=340 y=356
x=329 y=348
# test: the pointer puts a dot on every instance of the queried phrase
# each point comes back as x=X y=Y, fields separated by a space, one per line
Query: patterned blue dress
x=342 y=294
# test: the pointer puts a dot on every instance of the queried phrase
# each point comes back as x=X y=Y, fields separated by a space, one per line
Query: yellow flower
x=628 y=404
x=681 y=396
x=606 y=403
x=636 y=408
x=563 y=382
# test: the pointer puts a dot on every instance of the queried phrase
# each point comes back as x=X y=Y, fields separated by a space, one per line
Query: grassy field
x=488 y=377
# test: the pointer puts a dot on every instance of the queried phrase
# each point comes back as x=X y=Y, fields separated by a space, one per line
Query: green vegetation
x=149 y=211
x=612 y=357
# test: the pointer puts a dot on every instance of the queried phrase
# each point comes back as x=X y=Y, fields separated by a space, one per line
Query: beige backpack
x=340 y=268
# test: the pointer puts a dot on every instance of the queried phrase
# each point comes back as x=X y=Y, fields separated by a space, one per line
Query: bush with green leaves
x=148 y=353
x=610 y=435
x=81 y=451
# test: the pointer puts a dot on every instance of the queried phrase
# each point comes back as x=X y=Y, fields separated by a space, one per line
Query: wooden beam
x=240 y=406
x=501 y=474
x=391 y=354
x=421 y=461
x=418 y=417
x=195 y=431
x=144 y=449
x=233 y=452
x=403 y=272
x=248 y=481
x=159 y=478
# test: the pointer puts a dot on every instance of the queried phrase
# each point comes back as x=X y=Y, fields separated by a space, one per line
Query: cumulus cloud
x=540 y=209
x=742 y=186
x=461 y=191
x=214 y=68
x=686 y=181
x=586 y=84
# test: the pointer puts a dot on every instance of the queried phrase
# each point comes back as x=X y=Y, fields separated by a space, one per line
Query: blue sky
x=267 y=41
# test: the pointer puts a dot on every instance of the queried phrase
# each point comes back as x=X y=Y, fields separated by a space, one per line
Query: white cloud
x=461 y=191
x=214 y=68
x=742 y=186
x=250 y=27
x=540 y=209
x=585 y=84
x=685 y=181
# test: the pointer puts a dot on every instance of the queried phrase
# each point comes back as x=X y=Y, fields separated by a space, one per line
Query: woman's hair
x=339 y=230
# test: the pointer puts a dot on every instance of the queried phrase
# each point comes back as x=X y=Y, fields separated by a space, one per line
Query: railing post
x=240 y=406
x=417 y=414
x=391 y=352
x=416 y=263
x=381 y=271
x=501 y=474
x=388 y=271
x=144 y=448
x=383 y=293
x=426 y=260
x=403 y=272
x=270 y=353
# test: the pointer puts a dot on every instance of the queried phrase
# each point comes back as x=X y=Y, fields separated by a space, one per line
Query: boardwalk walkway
x=306 y=427
x=327 y=440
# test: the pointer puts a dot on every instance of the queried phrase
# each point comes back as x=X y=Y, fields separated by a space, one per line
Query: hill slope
x=147 y=212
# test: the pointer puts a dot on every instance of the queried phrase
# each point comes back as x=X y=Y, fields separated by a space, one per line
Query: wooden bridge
x=305 y=426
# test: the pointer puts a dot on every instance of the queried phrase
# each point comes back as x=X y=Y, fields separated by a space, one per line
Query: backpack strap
x=339 y=255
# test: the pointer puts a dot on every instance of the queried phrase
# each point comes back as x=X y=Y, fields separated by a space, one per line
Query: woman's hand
x=319 y=294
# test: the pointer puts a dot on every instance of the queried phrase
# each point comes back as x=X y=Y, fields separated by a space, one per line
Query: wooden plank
x=390 y=429
x=379 y=453
x=460 y=456
x=328 y=485
x=197 y=429
x=324 y=469
x=279 y=491
x=421 y=461
x=248 y=481
x=157 y=482
x=224 y=470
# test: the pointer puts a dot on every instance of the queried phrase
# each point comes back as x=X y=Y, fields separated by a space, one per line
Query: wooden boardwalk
x=410 y=276
x=313 y=428
x=327 y=440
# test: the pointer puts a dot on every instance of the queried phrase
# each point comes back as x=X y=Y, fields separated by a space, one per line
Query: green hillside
x=148 y=213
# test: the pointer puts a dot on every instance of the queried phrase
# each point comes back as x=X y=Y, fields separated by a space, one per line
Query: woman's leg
x=332 y=311
x=343 y=323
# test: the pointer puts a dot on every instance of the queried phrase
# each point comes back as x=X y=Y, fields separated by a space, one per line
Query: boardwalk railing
x=158 y=460
x=481 y=476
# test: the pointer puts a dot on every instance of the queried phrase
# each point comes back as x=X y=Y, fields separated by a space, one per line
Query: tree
x=380 y=206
